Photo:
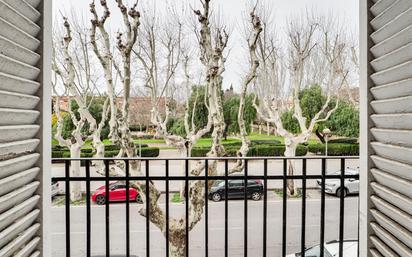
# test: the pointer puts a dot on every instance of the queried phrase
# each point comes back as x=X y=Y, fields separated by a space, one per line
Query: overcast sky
x=232 y=11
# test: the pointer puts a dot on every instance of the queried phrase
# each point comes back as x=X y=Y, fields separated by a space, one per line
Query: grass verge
x=279 y=192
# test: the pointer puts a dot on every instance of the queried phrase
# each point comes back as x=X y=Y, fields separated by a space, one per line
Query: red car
x=117 y=193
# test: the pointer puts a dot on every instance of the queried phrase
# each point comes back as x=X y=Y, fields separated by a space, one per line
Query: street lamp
x=326 y=133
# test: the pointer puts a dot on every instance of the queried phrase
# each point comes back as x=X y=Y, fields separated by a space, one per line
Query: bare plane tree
x=119 y=119
x=256 y=30
x=75 y=76
x=212 y=46
x=309 y=43
x=161 y=53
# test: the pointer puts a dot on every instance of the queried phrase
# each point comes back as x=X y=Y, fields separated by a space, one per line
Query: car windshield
x=115 y=185
x=219 y=183
x=347 y=172
x=236 y=183
x=314 y=252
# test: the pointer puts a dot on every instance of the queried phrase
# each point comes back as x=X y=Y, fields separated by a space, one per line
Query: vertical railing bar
x=127 y=209
x=284 y=211
x=322 y=209
x=88 y=210
x=226 y=209
x=67 y=206
x=147 y=192
x=245 y=225
x=206 y=208
x=342 y=207
x=303 y=235
x=187 y=206
x=107 y=208
x=265 y=204
x=167 y=208
x=358 y=226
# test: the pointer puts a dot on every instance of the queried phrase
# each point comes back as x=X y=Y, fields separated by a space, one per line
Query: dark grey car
x=236 y=190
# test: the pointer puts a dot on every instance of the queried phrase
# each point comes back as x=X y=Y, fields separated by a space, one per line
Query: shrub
x=335 y=149
x=112 y=153
x=57 y=154
x=87 y=150
x=137 y=128
x=150 y=152
x=302 y=150
x=266 y=151
x=229 y=144
x=265 y=142
x=142 y=145
x=277 y=150
x=87 y=155
x=254 y=151
x=344 y=141
x=59 y=148
x=66 y=154
x=200 y=151
x=148 y=136
x=232 y=151
x=111 y=148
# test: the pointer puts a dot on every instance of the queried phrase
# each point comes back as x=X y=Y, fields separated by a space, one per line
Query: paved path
x=216 y=228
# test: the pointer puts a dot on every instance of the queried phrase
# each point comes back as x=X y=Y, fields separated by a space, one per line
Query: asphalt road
x=216 y=228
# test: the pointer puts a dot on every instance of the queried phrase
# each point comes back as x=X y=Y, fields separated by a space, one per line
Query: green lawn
x=265 y=137
x=207 y=142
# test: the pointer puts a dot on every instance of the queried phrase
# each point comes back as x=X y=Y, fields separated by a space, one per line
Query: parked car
x=332 y=186
x=117 y=193
x=54 y=188
x=236 y=190
x=331 y=249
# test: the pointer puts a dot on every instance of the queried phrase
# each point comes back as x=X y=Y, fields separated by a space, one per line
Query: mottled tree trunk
x=178 y=250
x=183 y=152
x=75 y=187
x=290 y=151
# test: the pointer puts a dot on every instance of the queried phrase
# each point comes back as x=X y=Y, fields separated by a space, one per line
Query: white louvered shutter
x=21 y=131
x=390 y=52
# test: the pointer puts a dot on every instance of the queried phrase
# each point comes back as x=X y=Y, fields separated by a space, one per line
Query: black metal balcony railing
x=166 y=178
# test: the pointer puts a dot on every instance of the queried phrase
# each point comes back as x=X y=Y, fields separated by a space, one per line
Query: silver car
x=331 y=249
x=332 y=186
x=55 y=189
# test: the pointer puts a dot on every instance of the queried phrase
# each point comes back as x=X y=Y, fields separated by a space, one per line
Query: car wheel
x=100 y=199
x=340 y=190
x=216 y=197
x=256 y=196
x=139 y=199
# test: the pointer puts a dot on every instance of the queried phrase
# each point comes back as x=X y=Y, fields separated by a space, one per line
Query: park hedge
x=146 y=136
x=275 y=150
x=335 y=149
x=254 y=151
x=113 y=147
x=343 y=141
x=150 y=152
x=146 y=152
x=265 y=142
x=137 y=128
